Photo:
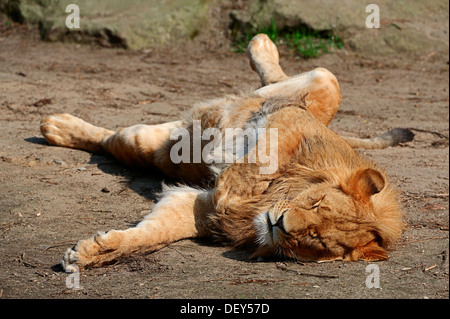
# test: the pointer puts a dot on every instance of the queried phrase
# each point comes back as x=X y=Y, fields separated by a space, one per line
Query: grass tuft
x=305 y=42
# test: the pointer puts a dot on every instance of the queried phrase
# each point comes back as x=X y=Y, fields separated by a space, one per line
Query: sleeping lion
x=283 y=185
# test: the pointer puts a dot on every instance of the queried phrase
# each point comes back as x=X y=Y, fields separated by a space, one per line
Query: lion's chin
x=264 y=232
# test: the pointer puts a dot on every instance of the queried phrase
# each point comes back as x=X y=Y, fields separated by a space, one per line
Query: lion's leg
x=181 y=213
x=391 y=138
x=139 y=145
x=318 y=88
x=143 y=145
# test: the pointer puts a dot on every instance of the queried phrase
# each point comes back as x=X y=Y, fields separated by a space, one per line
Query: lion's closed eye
x=317 y=203
x=315 y=206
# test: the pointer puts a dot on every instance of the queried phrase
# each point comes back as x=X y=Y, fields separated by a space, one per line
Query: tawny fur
x=323 y=201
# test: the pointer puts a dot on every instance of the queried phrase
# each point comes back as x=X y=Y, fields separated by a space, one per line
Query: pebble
x=32 y=163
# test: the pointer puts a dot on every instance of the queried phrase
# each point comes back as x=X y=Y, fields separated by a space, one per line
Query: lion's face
x=325 y=222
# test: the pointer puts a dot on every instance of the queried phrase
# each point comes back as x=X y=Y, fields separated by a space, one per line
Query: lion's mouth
x=269 y=231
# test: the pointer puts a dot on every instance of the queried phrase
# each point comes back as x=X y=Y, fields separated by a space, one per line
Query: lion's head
x=335 y=217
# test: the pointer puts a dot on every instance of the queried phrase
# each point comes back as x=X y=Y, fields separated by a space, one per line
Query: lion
x=322 y=202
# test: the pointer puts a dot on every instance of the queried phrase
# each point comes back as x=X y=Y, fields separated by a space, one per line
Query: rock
x=32 y=163
x=445 y=261
x=135 y=24
x=407 y=26
x=105 y=190
x=58 y=162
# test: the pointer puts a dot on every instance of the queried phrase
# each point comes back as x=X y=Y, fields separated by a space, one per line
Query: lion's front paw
x=98 y=250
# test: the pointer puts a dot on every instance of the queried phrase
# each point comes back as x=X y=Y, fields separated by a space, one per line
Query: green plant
x=305 y=42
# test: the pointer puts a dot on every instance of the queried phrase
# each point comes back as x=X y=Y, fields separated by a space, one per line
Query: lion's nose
x=279 y=223
x=278 y=230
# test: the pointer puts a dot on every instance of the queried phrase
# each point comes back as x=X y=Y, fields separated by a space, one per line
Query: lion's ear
x=370 y=252
x=366 y=182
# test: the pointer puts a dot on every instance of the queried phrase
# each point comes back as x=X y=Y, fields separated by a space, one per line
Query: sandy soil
x=51 y=197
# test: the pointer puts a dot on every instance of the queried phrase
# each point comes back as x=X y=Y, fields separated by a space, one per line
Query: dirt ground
x=51 y=197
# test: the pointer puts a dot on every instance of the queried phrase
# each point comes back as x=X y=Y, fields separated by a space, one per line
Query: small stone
x=105 y=190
